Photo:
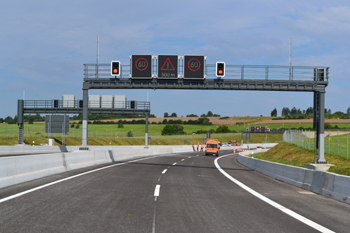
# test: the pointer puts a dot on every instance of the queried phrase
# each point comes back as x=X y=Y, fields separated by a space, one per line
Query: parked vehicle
x=212 y=147
x=234 y=143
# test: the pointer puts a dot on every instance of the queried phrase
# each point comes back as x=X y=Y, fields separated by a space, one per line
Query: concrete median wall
x=324 y=183
x=21 y=168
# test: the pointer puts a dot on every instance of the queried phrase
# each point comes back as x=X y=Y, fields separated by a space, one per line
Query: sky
x=44 y=44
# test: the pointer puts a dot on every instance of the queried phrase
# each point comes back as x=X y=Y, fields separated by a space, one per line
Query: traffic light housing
x=115 y=68
x=220 y=69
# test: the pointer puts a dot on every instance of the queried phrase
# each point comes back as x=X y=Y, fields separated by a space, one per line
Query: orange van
x=212 y=147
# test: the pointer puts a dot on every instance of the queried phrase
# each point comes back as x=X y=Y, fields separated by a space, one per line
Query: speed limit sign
x=141 y=66
x=194 y=67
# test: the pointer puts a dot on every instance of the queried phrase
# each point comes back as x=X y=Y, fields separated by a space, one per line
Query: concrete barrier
x=21 y=168
x=324 y=183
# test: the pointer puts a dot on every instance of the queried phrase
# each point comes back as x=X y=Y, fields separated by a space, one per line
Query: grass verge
x=289 y=154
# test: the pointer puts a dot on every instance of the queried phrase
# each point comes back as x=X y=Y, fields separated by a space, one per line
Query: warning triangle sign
x=167 y=65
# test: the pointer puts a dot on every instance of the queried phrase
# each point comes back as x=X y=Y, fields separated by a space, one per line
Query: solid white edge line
x=156 y=191
x=164 y=171
x=68 y=178
x=269 y=201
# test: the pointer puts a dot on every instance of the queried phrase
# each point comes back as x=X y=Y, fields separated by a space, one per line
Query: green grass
x=293 y=155
x=106 y=138
x=102 y=129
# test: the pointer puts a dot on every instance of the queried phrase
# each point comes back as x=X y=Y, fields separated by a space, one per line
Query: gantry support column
x=84 y=145
x=319 y=99
x=320 y=127
x=20 y=116
x=146 y=131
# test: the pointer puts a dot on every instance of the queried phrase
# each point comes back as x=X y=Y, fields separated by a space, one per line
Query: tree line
x=295 y=113
x=209 y=114
x=176 y=129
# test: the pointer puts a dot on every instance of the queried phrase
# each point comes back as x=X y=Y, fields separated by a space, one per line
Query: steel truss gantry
x=74 y=107
x=238 y=77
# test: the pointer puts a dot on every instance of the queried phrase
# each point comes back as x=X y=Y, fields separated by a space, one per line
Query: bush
x=179 y=129
x=205 y=131
x=173 y=129
x=222 y=129
x=168 y=130
x=204 y=121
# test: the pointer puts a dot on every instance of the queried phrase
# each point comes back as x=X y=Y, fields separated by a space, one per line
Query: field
x=110 y=133
x=103 y=134
x=160 y=140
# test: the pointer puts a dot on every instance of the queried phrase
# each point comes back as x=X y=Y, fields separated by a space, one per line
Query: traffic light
x=220 y=69
x=81 y=103
x=132 y=104
x=115 y=68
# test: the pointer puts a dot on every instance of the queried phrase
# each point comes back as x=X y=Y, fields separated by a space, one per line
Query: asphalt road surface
x=186 y=192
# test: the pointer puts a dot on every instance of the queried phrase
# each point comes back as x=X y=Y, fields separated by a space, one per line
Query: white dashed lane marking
x=157 y=190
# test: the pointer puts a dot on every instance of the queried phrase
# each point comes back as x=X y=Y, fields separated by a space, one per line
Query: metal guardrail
x=243 y=72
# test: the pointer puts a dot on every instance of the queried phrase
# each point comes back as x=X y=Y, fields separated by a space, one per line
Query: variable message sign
x=194 y=67
x=141 y=66
x=168 y=66
x=55 y=124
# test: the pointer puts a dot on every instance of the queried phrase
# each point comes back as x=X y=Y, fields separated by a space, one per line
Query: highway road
x=186 y=192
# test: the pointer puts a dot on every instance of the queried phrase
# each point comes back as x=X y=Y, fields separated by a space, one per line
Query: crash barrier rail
x=18 y=169
x=320 y=182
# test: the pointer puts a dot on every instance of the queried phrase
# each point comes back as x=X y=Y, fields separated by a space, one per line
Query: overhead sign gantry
x=76 y=107
x=195 y=74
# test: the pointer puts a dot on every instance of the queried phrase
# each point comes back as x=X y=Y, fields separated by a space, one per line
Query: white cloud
x=44 y=44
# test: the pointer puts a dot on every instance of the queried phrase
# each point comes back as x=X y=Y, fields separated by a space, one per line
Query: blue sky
x=44 y=44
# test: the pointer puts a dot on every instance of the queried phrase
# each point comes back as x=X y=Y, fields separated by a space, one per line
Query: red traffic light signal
x=115 y=68
x=220 y=69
